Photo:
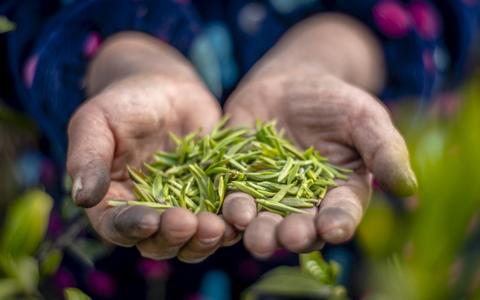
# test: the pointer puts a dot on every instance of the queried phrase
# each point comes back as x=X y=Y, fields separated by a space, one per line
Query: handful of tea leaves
x=260 y=162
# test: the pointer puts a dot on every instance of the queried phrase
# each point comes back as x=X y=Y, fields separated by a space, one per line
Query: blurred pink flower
x=281 y=252
x=29 y=70
x=194 y=297
x=54 y=224
x=425 y=19
x=47 y=173
x=249 y=268
x=153 y=269
x=392 y=18
x=63 y=278
x=101 y=283
x=92 y=44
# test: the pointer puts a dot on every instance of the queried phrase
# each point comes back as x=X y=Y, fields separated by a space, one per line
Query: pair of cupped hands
x=129 y=116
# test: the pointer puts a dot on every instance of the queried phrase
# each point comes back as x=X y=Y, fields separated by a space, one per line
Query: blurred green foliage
x=21 y=234
x=434 y=256
x=430 y=249
x=27 y=258
x=427 y=253
x=25 y=224
x=313 y=279
x=75 y=294
x=6 y=25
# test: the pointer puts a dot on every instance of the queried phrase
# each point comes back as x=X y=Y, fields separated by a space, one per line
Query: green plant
x=198 y=174
x=429 y=255
x=23 y=230
x=313 y=279
x=25 y=257
x=6 y=25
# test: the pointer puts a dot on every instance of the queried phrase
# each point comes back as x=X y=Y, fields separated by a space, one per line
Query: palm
x=127 y=123
x=345 y=124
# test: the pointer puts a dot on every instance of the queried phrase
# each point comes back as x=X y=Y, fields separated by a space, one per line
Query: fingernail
x=413 y=183
x=336 y=235
x=263 y=255
x=191 y=260
x=210 y=241
x=240 y=212
x=90 y=184
x=76 y=188
x=232 y=241
x=408 y=186
x=243 y=218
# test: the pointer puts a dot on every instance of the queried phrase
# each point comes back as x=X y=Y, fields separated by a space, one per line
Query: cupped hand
x=345 y=124
x=124 y=125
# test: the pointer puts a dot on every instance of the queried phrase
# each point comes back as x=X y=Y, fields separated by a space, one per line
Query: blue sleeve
x=48 y=53
x=427 y=44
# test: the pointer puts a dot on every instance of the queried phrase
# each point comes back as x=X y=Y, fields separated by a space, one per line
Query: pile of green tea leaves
x=260 y=162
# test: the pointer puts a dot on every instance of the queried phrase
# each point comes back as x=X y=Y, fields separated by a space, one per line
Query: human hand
x=348 y=126
x=125 y=124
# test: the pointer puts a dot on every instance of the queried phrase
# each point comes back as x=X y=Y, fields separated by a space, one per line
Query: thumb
x=383 y=149
x=90 y=154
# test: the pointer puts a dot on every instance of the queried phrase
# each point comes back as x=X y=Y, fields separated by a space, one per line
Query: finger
x=231 y=235
x=124 y=225
x=297 y=233
x=90 y=153
x=260 y=237
x=206 y=240
x=383 y=149
x=177 y=226
x=239 y=209
x=342 y=209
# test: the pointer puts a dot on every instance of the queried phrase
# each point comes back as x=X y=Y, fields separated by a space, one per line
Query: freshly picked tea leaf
x=200 y=171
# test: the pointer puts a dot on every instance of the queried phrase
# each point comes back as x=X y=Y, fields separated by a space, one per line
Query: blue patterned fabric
x=425 y=43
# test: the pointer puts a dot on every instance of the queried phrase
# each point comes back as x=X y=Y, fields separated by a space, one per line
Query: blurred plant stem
x=431 y=256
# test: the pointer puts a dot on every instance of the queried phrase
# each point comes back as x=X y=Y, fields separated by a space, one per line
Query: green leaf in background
x=89 y=250
x=314 y=265
x=51 y=262
x=23 y=270
x=9 y=288
x=75 y=294
x=68 y=209
x=25 y=224
x=432 y=260
x=293 y=283
x=6 y=25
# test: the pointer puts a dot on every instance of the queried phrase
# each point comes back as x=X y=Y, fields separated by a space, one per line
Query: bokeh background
x=423 y=247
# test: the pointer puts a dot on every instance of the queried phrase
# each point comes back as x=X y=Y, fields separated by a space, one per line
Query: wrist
x=328 y=44
x=134 y=54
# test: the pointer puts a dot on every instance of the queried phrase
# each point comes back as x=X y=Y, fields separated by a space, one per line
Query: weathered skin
x=314 y=82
